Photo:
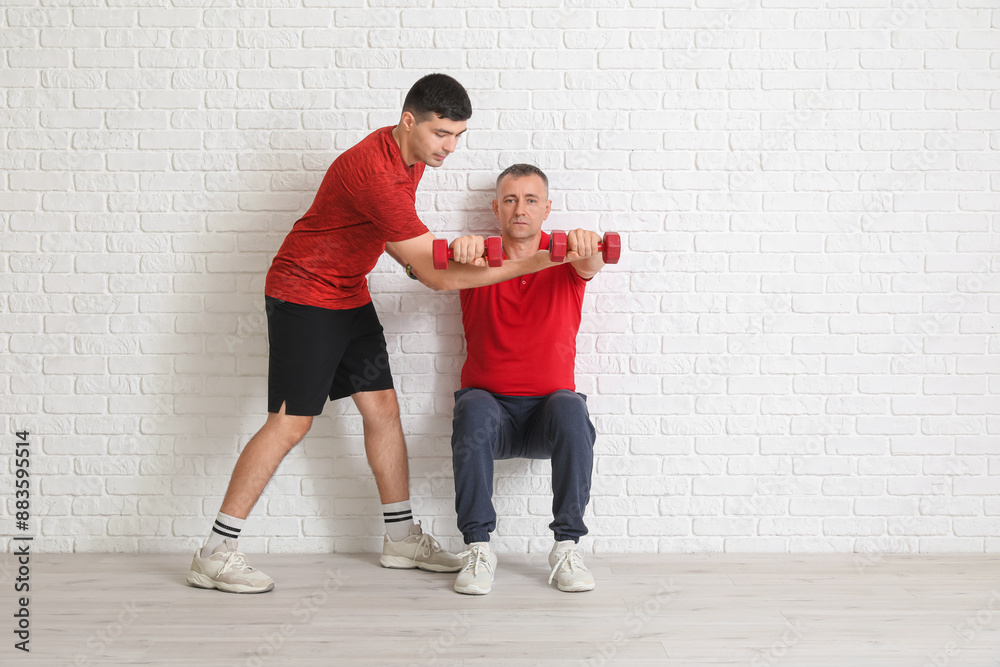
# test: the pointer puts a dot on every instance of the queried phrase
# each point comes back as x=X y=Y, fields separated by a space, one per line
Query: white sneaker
x=568 y=570
x=227 y=569
x=476 y=578
x=418 y=549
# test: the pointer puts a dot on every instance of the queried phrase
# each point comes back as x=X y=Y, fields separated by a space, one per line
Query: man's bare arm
x=417 y=253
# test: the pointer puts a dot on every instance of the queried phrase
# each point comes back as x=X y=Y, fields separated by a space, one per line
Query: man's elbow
x=433 y=286
x=437 y=283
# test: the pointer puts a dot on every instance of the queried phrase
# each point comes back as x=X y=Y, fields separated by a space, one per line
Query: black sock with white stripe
x=398 y=520
x=225 y=527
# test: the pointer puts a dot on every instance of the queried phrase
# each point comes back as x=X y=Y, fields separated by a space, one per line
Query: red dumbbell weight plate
x=557 y=245
x=440 y=247
x=494 y=251
x=612 y=248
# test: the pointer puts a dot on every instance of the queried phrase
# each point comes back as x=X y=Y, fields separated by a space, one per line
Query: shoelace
x=236 y=561
x=570 y=557
x=427 y=546
x=478 y=558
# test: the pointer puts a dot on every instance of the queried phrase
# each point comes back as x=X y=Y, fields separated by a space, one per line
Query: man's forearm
x=588 y=267
x=464 y=276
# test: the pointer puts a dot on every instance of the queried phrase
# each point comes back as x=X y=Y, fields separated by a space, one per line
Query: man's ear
x=407 y=121
x=496 y=209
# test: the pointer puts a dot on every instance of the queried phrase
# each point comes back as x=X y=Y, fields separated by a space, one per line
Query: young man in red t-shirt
x=518 y=395
x=324 y=337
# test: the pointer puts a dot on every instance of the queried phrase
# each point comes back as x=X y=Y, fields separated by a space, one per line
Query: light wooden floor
x=343 y=609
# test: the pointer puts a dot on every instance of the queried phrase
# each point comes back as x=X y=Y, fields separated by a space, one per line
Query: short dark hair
x=440 y=94
x=521 y=169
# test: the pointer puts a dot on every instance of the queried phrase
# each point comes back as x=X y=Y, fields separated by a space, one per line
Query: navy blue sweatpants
x=490 y=426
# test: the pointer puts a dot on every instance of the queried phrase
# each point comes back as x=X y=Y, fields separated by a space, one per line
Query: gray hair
x=519 y=170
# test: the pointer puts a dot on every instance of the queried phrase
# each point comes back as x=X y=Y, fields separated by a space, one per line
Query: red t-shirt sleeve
x=388 y=201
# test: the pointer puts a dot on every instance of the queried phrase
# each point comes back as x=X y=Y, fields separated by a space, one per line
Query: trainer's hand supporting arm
x=418 y=253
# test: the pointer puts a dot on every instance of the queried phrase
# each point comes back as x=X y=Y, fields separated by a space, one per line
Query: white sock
x=225 y=527
x=398 y=520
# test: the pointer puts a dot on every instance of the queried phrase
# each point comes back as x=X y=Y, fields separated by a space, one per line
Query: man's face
x=522 y=204
x=434 y=138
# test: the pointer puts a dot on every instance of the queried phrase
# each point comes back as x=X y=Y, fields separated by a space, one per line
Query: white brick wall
x=800 y=350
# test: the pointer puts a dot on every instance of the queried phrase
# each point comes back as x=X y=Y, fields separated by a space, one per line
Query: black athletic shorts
x=318 y=353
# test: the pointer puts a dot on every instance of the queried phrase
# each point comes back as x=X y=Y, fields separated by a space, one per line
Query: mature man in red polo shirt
x=325 y=340
x=518 y=395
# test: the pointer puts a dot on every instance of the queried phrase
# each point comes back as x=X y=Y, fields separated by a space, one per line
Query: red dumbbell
x=611 y=248
x=442 y=253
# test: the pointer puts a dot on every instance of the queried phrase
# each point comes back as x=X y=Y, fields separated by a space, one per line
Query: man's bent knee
x=290 y=429
x=569 y=404
x=566 y=412
x=378 y=408
x=476 y=403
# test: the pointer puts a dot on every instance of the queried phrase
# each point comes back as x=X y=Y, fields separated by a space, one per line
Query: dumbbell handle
x=451 y=254
x=600 y=246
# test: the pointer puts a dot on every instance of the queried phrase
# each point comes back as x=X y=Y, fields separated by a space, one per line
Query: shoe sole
x=472 y=590
x=404 y=563
x=577 y=588
x=202 y=581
